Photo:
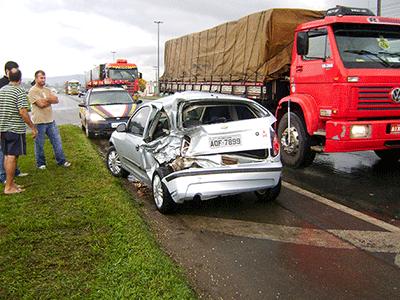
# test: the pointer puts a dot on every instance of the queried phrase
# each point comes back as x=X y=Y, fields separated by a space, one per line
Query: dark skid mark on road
x=358 y=180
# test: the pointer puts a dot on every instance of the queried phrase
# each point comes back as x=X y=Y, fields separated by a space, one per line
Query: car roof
x=170 y=103
x=190 y=96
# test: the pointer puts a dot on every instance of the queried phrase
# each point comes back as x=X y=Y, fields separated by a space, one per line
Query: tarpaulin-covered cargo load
x=255 y=47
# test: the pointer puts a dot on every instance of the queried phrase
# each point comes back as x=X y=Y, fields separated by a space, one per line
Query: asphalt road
x=66 y=111
x=333 y=233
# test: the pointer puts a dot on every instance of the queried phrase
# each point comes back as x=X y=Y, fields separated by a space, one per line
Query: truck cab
x=344 y=87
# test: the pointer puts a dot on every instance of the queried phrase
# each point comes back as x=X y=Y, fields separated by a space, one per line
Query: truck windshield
x=123 y=74
x=369 y=46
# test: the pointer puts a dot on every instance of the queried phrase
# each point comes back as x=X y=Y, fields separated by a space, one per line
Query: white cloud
x=63 y=41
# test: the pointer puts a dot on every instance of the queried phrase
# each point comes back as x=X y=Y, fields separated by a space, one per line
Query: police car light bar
x=348 y=11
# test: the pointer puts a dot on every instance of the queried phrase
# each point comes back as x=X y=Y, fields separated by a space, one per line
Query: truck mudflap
x=347 y=136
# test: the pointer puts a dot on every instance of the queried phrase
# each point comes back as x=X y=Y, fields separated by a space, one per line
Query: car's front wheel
x=114 y=163
x=269 y=194
x=295 y=142
x=161 y=195
x=90 y=134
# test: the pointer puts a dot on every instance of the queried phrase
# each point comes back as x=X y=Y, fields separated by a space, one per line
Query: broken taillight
x=274 y=143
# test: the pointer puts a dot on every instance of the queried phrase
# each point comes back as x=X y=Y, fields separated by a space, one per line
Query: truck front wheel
x=391 y=155
x=295 y=142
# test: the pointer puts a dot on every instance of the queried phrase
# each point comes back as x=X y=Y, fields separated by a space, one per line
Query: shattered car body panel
x=212 y=144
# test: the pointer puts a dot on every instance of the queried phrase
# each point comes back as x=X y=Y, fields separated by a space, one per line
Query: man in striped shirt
x=13 y=116
x=4 y=81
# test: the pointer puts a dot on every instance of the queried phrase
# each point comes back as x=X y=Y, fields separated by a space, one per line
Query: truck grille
x=376 y=98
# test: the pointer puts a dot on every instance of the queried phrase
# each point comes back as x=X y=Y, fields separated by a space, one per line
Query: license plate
x=225 y=141
x=114 y=125
x=395 y=128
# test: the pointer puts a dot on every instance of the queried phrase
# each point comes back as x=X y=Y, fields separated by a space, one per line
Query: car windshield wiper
x=121 y=103
x=116 y=103
x=389 y=53
x=370 y=53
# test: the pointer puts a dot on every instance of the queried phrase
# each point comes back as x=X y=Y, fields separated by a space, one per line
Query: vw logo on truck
x=395 y=93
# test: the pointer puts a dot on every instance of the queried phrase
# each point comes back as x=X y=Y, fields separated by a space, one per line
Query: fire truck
x=332 y=79
x=121 y=73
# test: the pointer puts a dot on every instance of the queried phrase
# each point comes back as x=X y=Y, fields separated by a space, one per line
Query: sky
x=66 y=37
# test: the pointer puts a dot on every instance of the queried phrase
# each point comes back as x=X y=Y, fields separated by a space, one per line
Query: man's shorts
x=13 y=143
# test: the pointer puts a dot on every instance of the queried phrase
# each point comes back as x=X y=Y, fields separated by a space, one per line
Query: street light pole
x=155 y=79
x=158 y=55
x=113 y=54
x=378 y=7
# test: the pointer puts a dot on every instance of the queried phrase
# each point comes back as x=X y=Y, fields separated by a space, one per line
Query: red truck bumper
x=381 y=136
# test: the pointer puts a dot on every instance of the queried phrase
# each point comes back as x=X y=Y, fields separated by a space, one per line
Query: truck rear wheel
x=295 y=142
x=391 y=155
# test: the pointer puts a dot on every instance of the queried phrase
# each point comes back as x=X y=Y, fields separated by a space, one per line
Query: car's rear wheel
x=269 y=194
x=391 y=155
x=114 y=163
x=161 y=195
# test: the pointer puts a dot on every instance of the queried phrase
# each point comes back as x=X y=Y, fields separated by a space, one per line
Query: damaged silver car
x=198 y=145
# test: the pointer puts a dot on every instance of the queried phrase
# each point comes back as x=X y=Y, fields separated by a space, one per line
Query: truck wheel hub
x=290 y=140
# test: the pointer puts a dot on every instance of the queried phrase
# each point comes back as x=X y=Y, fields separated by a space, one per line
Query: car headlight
x=360 y=131
x=94 y=117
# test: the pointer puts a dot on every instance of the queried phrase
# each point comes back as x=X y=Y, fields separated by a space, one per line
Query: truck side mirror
x=302 y=43
x=140 y=75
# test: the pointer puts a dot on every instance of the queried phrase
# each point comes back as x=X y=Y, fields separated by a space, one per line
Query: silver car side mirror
x=121 y=127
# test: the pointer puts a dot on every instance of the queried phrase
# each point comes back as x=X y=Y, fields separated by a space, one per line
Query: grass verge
x=76 y=233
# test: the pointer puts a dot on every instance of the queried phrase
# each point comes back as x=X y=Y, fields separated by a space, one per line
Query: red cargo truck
x=342 y=92
x=121 y=73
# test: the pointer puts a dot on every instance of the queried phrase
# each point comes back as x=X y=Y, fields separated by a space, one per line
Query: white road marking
x=278 y=233
x=371 y=241
x=342 y=208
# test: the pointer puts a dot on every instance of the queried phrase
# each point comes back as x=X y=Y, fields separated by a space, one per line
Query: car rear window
x=204 y=114
x=110 y=97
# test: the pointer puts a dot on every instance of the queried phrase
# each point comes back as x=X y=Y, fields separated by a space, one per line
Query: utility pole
x=379 y=7
x=158 y=55
x=113 y=54
x=155 y=79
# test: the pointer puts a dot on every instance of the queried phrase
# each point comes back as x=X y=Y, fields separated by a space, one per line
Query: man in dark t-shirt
x=3 y=82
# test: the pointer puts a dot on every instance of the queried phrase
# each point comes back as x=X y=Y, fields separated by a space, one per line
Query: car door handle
x=137 y=147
